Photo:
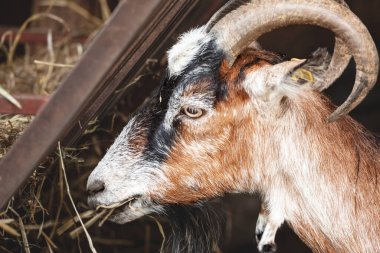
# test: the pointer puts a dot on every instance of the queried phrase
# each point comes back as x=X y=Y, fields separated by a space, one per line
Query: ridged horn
x=236 y=30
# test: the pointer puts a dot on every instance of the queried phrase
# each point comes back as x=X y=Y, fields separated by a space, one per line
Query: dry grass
x=41 y=216
x=42 y=71
x=38 y=71
x=45 y=215
x=10 y=128
x=62 y=163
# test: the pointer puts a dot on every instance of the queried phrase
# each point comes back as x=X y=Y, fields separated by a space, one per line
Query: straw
x=72 y=201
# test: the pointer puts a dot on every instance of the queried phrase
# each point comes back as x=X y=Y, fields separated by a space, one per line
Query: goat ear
x=272 y=83
x=311 y=72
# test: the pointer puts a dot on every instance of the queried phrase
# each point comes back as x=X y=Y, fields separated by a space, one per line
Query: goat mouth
x=120 y=204
x=113 y=211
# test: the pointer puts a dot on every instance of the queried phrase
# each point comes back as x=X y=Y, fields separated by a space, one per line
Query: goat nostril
x=96 y=187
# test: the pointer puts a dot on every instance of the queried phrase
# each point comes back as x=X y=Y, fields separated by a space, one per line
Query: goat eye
x=193 y=112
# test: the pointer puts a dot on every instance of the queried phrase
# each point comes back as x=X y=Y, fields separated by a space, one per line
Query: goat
x=228 y=118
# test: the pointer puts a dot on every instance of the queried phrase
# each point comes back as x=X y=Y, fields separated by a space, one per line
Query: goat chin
x=125 y=215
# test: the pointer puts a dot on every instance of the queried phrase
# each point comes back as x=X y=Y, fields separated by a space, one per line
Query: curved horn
x=339 y=61
x=236 y=30
x=226 y=8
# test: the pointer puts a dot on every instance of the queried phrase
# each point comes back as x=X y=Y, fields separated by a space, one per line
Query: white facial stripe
x=186 y=49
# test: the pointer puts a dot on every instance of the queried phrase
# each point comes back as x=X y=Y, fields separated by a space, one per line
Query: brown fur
x=220 y=169
x=355 y=159
x=222 y=157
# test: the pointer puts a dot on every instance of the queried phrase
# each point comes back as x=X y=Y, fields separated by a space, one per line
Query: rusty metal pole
x=130 y=22
x=136 y=30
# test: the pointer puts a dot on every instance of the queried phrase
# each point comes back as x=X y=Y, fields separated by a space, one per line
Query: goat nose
x=95 y=187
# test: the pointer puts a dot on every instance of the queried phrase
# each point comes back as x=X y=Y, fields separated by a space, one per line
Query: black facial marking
x=259 y=235
x=269 y=248
x=205 y=65
x=160 y=139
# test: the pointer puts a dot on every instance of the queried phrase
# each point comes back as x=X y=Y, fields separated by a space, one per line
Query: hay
x=10 y=129
x=40 y=73
x=62 y=163
x=37 y=73
x=40 y=216
x=9 y=97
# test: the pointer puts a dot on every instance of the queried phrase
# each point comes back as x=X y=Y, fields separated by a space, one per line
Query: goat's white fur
x=113 y=173
x=186 y=49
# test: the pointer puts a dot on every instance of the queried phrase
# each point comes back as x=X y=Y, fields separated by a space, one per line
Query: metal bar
x=116 y=56
x=30 y=104
x=159 y=30
x=75 y=92
x=171 y=15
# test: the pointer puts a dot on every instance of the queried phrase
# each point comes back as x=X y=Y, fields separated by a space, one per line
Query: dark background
x=296 y=41
x=299 y=42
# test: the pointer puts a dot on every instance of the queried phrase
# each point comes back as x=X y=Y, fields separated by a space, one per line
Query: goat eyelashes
x=253 y=123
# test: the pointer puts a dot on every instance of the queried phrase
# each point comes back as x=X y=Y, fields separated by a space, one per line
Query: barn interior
x=40 y=216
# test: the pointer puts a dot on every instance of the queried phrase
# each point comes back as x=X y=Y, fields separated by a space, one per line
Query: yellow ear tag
x=303 y=75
